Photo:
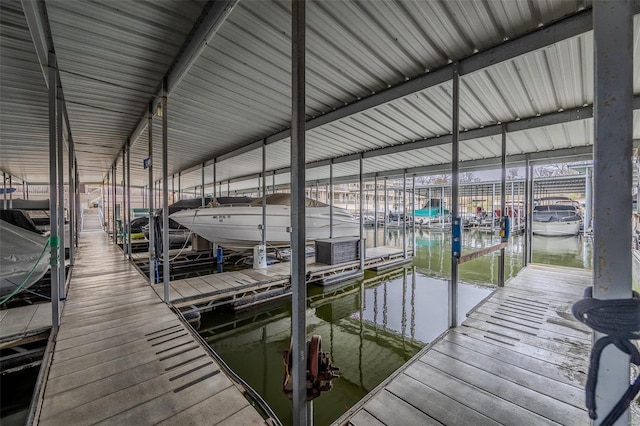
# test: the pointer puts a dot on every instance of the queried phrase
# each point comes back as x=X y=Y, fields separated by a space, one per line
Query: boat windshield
x=285 y=200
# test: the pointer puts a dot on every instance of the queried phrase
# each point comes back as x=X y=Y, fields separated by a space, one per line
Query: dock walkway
x=250 y=286
x=123 y=357
x=519 y=359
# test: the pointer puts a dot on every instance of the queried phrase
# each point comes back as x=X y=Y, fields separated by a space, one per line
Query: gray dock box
x=333 y=251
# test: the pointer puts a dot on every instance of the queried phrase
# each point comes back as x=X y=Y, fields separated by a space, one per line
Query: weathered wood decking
x=123 y=357
x=19 y=324
x=208 y=289
x=519 y=359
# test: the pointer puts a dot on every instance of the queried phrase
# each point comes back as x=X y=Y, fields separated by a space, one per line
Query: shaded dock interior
x=122 y=356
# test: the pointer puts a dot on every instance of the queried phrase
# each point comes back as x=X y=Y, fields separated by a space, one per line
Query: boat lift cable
x=26 y=279
x=619 y=319
x=255 y=396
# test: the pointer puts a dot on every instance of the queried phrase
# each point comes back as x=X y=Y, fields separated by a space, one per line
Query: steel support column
x=165 y=194
x=455 y=182
x=114 y=189
x=375 y=211
x=152 y=249
x=361 y=206
x=128 y=191
x=503 y=203
x=404 y=214
x=60 y=206
x=124 y=202
x=4 y=191
x=298 y=264
x=264 y=195
x=72 y=203
x=613 y=117
x=53 y=194
x=202 y=192
x=332 y=200
x=588 y=204
x=10 y=192
x=525 y=251
x=386 y=212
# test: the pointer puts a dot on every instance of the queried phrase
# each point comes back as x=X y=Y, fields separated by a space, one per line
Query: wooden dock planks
x=123 y=357
x=208 y=288
x=519 y=358
x=24 y=320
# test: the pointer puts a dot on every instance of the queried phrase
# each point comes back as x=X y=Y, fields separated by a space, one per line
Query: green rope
x=19 y=288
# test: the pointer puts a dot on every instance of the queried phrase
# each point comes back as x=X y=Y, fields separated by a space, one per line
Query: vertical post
x=525 y=258
x=4 y=190
x=404 y=213
x=588 y=202
x=455 y=180
x=124 y=203
x=72 y=193
x=361 y=206
x=493 y=205
x=77 y=202
x=529 y=214
x=10 y=192
x=298 y=265
x=107 y=206
x=202 y=187
x=386 y=212
x=27 y=190
x=179 y=186
x=613 y=117
x=60 y=205
x=503 y=194
x=114 y=189
x=165 y=195
x=152 y=249
x=128 y=190
x=331 y=204
x=215 y=193
x=264 y=193
x=53 y=193
x=413 y=214
x=375 y=211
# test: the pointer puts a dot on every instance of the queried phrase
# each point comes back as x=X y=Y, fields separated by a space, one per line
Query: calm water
x=372 y=327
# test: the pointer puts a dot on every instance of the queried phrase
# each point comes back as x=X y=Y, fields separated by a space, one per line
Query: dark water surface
x=373 y=326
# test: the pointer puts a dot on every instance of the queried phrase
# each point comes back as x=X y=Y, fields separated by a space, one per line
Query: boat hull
x=20 y=252
x=239 y=227
x=556 y=229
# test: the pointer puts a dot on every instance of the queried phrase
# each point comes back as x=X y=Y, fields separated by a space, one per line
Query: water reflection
x=370 y=328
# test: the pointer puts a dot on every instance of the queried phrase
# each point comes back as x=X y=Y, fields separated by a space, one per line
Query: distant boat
x=433 y=210
x=557 y=217
x=20 y=250
x=239 y=226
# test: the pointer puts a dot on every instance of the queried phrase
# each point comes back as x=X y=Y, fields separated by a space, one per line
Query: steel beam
x=332 y=200
x=298 y=264
x=152 y=249
x=375 y=211
x=546 y=35
x=72 y=202
x=60 y=204
x=53 y=194
x=165 y=194
x=361 y=217
x=210 y=21
x=503 y=192
x=455 y=181
x=613 y=54
x=264 y=195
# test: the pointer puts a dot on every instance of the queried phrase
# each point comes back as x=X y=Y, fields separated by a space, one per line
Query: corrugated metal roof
x=113 y=55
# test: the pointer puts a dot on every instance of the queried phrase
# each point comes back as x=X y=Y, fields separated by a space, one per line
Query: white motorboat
x=555 y=220
x=239 y=226
x=21 y=251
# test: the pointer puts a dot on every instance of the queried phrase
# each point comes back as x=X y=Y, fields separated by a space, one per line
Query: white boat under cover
x=240 y=226
x=555 y=220
x=19 y=253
